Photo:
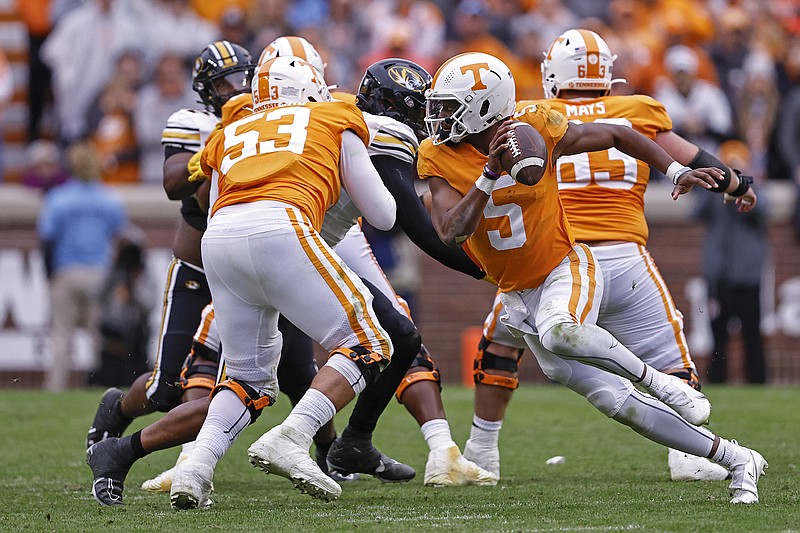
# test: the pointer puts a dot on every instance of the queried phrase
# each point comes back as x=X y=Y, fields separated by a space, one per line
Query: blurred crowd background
x=112 y=71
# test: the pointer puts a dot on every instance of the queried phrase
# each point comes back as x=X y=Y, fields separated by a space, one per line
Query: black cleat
x=321 y=456
x=362 y=457
x=110 y=462
x=108 y=420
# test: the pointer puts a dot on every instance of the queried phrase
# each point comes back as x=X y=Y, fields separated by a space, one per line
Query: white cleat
x=691 y=404
x=486 y=457
x=744 y=485
x=686 y=467
x=446 y=467
x=191 y=486
x=160 y=483
x=277 y=452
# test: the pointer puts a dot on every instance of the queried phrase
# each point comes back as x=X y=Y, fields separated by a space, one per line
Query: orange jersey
x=603 y=192
x=288 y=153
x=523 y=233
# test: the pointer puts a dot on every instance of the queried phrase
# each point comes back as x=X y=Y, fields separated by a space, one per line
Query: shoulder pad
x=188 y=129
x=391 y=137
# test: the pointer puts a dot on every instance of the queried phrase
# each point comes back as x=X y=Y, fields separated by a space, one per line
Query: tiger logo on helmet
x=291 y=46
x=287 y=81
x=578 y=60
x=469 y=93
x=395 y=88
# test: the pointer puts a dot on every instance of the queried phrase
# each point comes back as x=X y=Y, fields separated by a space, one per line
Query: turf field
x=612 y=479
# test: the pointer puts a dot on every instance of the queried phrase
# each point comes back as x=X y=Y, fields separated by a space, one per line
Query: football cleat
x=160 y=483
x=110 y=464
x=446 y=467
x=691 y=404
x=191 y=485
x=108 y=420
x=350 y=458
x=163 y=481
x=277 y=452
x=486 y=457
x=686 y=467
x=744 y=482
x=321 y=456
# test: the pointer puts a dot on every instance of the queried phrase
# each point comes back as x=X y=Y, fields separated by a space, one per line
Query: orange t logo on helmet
x=475 y=68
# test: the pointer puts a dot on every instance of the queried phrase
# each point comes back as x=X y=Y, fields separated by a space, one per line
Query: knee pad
x=561 y=338
x=689 y=376
x=605 y=401
x=431 y=373
x=252 y=400
x=369 y=363
x=195 y=374
x=488 y=361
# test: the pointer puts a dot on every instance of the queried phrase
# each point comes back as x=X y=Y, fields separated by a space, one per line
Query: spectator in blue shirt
x=78 y=225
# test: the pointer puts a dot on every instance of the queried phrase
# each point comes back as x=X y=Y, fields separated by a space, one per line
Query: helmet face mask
x=470 y=93
x=287 y=81
x=221 y=71
x=395 y=88
x=443 y=119
x=578 y=60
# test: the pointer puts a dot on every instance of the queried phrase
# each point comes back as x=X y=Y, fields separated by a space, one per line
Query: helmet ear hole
x=484 y=108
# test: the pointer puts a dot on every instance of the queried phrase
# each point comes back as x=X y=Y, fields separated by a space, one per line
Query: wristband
x=675 y=170
x=485 y=184
x=490 y=174
x=744 y=184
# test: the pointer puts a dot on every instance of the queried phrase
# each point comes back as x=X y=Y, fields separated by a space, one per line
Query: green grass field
x=612 y=480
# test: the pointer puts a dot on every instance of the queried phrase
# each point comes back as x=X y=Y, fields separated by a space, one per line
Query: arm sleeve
x=364 y=185
x=414 y=219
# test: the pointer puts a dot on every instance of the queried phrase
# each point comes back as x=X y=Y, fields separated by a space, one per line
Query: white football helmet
x=287 y=81
x=577 y=60
x=293 y=46
x=469 y=93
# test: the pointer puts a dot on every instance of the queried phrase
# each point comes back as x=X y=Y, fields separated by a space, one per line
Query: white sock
x=203 y=455
x=729 y=454
x=312 y=411
x=485 y=432
x=227 y=417
x=437 y=433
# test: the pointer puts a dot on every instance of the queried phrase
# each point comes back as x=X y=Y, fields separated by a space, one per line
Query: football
x=526 y=156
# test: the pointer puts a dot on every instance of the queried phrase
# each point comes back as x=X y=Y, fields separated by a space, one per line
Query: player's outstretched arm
x=733 y=185
x=415 y=220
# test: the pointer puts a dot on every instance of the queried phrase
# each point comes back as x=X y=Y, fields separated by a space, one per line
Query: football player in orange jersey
x=550 y=286
x=222 y=71
x=603 y=197
x=274 y=174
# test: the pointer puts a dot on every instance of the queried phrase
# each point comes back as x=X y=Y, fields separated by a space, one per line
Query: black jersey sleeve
x=414 y=219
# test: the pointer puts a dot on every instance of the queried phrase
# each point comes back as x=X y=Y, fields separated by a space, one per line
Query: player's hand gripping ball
x=526 y=156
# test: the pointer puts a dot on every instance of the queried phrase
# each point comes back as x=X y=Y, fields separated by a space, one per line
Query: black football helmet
x=396 y=88
x=221 y=71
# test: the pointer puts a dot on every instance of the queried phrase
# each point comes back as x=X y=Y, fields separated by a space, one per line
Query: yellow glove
x=195 y=170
